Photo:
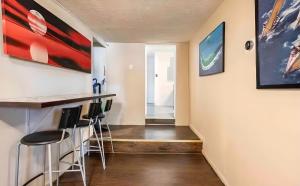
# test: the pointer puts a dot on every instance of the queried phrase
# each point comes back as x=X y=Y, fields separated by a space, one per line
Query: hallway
x=146 y=170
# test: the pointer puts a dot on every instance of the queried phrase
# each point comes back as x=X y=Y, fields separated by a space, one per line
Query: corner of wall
x=217 y=171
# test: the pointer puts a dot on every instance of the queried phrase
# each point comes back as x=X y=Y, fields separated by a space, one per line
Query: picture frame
x=32 y=33
x=212 y=52
x=276 y=44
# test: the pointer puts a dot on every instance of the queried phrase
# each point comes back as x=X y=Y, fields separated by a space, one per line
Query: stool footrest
x=104 y=138
x=68 y=163
x=32 y=179
x=91 y=146
x=58 y=171
x=93 y=150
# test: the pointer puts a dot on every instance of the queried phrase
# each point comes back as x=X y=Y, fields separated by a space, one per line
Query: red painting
x=33 y=33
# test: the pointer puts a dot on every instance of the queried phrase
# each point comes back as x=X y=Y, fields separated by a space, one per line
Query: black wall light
x=249 y=45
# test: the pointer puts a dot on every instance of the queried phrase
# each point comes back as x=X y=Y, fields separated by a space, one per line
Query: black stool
x=103 y=118
x=70 y=117
x=91 y=120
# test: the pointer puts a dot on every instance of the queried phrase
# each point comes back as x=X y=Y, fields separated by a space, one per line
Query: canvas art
x=33 y=33
x=278 y=43
x=211 y=52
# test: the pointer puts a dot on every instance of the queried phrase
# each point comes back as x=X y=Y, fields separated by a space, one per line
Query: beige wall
x=126 y=77
x=251 y=137
x=182 y=84
x=129 y=84
x=27 y=79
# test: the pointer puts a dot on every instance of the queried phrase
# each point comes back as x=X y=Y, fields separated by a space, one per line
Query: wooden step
x=159 y=121
x=154 y=146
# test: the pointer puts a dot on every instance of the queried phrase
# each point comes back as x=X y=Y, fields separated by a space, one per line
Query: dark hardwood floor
x=146 y=170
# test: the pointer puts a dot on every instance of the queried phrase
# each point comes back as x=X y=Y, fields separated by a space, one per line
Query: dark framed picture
x=33 y=33
x=278 y=43
x=211 y=52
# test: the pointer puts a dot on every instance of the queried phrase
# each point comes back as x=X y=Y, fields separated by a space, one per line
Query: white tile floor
x=159 y=112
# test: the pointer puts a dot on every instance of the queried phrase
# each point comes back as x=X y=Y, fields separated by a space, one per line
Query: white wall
x=26 y=79
x=251 y=136
x=126 y=77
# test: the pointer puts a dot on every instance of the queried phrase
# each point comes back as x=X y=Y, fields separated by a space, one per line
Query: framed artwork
x=211 y=52
x=33 y=33
x=278 y=43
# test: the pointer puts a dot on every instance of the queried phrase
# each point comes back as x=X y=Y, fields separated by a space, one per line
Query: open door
x=161 y=68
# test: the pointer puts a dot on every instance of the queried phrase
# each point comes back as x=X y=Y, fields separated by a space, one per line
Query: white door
x=150 y=78
x=164 y=78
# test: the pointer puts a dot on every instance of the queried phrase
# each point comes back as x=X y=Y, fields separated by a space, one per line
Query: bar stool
x=89 y=121
x=103 y=119
x=70 y=117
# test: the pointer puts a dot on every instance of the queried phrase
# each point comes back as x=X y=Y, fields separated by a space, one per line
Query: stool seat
x=43 y=138
x=100 y=116
x=83 y=123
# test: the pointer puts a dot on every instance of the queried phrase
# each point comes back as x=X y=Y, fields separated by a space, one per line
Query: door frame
x=147 y=49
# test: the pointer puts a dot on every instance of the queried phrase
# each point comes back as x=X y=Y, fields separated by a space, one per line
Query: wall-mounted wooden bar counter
x=50 y=101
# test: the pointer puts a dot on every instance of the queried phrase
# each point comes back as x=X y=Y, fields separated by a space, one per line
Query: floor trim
x=158 y=153
x=156 y=140
x=214 y=167
x=200 y=136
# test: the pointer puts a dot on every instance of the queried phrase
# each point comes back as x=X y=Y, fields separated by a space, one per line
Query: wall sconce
x=249 y=45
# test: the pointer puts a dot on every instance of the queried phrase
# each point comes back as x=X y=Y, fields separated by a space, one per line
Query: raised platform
x=138 y=139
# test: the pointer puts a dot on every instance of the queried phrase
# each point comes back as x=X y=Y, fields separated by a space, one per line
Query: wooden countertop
x=50 y=101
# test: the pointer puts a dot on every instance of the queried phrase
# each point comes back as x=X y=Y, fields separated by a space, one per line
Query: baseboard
x=217 y=171
x=181 y=124
x=142 y=123
x=150 y=121
x=214 y=167
x=200 y=136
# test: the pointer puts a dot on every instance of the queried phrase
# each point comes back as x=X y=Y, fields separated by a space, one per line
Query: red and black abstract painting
x=33 y=33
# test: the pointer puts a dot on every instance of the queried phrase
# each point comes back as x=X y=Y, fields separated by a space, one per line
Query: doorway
x=99 y=67
x=160 y=84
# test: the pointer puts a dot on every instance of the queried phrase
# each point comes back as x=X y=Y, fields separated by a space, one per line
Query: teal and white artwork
x=211 y=52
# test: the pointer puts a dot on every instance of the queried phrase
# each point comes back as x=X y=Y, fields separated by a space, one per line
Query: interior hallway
x=159 y=112
x=146 y=170
x=154 y=155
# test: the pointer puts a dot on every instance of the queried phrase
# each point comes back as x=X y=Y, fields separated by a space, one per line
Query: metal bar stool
x=103 y=119
x=70 y=117
x=90 y=120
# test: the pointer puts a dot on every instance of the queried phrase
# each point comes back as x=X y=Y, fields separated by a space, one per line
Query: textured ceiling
x=150 y=21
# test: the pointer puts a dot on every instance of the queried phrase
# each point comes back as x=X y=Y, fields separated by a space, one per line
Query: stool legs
x=17 y=165
x=100 y=147
x=89 y=143
x=74 y=142
x=79 y=163
x=50 y=165
x=111 y=142
x=58 y=161
x=82 y=150
x=44 y=165
x=101 y=139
